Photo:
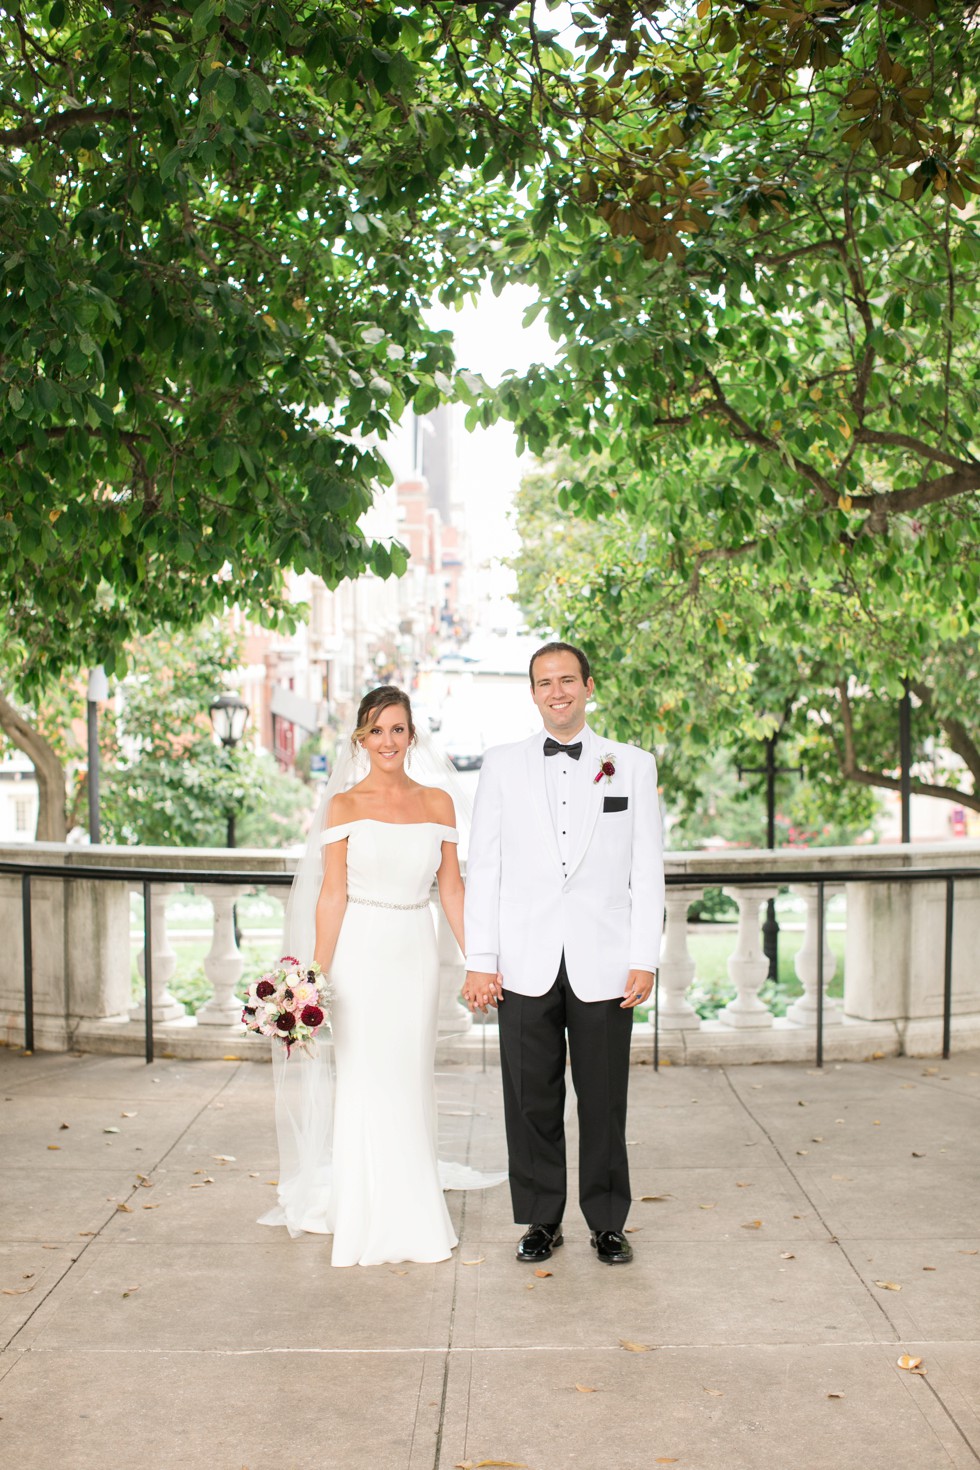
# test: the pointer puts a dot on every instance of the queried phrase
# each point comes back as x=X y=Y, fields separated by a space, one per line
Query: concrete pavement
x=803 y=1232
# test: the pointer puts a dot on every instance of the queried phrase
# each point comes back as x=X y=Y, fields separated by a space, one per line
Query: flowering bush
x=291 y=1003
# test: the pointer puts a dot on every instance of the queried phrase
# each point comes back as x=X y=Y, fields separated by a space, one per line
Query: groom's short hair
x=583 y=662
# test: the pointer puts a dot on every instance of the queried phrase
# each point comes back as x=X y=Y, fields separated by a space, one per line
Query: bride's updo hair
x=373 y=703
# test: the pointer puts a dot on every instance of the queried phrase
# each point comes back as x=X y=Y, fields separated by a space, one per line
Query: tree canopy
x=760 y=256
x=219 y=225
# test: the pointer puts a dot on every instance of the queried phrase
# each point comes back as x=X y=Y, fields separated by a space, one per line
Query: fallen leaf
x=632 y=1229
x=649 y=1199
x=715 y=1393
x=801 y=1104
x=396 y=1272
x=665 y=1460
x=151 y=1207
x=888 y=1285
x=835 y=1395
x=27 y=1276
x=584 y=1388
x=110 y=1130
x=907 y=1362
x=752 y=1225
x=818 y=1139
x=478 y=1262
x=635 y=1347
x=917 y=1156
x=802 y=1152
x=253 y=1176
x=224 y=1158
x=14 y=1290
x=876 y=1123
x=125 y=1209
x=63 y=1126
x=511 y=1464
x=930 y=1071
x=742 y=1184
x=86 y=1232
x=966 y=1253
x=707 y=1207
x=786 y=1256
x=55 y=1147
x=928 y=1268
x=539 y=1272
x=127 y=1115
x=529 y=1286
x=129 y=1291
x=50 y=1247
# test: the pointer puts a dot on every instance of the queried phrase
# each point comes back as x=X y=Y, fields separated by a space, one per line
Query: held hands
x=482 y=989
x=639 y=988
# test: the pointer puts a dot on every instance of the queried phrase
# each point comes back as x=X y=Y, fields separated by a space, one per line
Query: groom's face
x=560 y=693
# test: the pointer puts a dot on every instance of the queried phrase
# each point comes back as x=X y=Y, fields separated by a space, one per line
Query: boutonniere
x=606 y=768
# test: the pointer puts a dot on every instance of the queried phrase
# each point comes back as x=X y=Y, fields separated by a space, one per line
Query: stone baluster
x=223 y=964
x=804 y=1010
x=166 y=1007
x=748 y=967
x=453 y=1016
x=677 y=964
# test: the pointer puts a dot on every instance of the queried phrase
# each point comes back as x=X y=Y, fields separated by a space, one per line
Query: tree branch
x=51 y=818
x=59 y=122
x=854 y=772
x=889 y=439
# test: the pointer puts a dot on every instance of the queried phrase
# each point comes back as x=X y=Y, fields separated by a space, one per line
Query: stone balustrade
x=893 y=968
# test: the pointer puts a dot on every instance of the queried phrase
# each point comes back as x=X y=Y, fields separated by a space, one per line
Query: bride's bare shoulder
x=343 y=807
x=439 y=806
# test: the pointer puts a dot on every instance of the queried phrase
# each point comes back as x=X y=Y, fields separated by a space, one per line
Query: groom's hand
x=482 y=989
x=639 y=987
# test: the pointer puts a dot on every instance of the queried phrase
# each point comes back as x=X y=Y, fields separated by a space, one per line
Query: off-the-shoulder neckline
x=447 y=826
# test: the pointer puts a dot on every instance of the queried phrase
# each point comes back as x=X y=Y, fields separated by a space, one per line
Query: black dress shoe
x=612 y=1247
x=538 y=1241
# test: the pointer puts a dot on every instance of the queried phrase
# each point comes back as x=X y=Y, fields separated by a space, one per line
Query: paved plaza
x=796 y=1234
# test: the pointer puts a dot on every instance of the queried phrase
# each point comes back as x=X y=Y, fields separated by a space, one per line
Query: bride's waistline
x=379 y=903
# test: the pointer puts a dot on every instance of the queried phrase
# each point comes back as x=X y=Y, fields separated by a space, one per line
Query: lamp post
x=229 y=716
x=770 y=929
x=98 y=692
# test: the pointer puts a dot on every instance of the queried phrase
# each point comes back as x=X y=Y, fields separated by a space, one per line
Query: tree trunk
x=52 y=825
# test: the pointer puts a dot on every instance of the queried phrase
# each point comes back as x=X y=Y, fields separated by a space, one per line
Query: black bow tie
x=552 y=747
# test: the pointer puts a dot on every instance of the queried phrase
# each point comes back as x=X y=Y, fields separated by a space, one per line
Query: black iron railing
x=146 y=877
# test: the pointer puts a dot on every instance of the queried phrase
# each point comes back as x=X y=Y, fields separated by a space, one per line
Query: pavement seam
x=73 y=1260
x=831 y=1237
x=951 y=1417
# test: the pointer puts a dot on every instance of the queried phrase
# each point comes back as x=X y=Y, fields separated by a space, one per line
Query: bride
x=382 y=841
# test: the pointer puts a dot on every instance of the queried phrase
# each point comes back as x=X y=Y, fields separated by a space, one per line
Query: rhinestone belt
x=379 y=903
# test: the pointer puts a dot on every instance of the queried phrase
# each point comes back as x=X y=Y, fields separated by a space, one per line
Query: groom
x=564 y=912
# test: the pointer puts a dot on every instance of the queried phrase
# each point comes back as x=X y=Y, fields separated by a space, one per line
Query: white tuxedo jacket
x=522 y=912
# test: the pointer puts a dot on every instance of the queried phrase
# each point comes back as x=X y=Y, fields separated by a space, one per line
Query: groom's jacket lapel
x=534 y=767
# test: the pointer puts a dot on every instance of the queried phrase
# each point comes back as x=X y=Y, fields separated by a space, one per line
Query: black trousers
x=532 y=1055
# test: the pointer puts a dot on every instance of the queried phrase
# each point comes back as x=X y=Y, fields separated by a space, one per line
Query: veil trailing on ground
x=304 y=1083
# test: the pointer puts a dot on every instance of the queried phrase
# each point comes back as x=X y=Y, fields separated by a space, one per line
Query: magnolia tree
x=220 y=225
x=763 y=266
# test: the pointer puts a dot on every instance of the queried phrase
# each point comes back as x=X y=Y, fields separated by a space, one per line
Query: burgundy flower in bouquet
x=290 y=1003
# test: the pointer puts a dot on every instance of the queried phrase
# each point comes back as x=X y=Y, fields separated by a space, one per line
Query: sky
x=490 y=339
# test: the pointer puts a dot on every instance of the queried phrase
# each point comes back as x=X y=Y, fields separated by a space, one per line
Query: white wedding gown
x=381 y=1197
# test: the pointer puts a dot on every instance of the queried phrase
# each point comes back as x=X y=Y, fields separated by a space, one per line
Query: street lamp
x=97 y=693
x=770 y=929
x=229 y=716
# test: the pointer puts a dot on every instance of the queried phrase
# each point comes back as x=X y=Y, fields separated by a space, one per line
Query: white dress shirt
x=565 y=792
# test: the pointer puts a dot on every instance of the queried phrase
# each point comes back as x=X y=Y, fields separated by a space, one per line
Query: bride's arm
x=451 y=893
x=332 y=903
x=450 y=883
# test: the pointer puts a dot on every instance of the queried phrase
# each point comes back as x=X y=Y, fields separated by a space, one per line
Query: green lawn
x=712 y=988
